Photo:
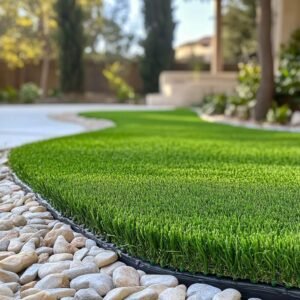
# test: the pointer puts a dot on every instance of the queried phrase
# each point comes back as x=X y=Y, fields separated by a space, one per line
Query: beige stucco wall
x=286 y=19
x=187 y=88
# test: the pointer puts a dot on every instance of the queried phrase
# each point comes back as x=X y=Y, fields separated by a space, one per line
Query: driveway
x=21 y=124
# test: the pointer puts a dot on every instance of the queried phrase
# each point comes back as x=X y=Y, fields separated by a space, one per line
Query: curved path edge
x=89 y=124
x=247 y=289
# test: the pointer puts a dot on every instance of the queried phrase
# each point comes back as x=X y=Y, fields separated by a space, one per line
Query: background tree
x=42 y=12
x=239 y=30
x=18 y=43
x=26 y=29
x=266 y=90
x=158 y=50
x=93 y=23
x=71 y=44
x=108 y=36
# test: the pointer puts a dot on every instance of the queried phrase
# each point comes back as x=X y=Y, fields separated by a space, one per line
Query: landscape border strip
x=246 y=288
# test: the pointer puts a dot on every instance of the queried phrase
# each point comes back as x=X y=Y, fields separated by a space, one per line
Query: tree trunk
x=266 y=90
x=45 y=72
x=44 y=28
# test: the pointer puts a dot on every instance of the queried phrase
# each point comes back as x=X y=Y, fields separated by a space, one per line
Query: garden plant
x=179 y=192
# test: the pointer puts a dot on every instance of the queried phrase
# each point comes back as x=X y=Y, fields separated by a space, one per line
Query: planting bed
x=179 y=192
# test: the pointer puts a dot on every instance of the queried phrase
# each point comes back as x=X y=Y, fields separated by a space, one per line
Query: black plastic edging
x=246 y=288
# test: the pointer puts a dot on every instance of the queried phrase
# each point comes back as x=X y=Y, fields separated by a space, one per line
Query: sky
x=194 y=19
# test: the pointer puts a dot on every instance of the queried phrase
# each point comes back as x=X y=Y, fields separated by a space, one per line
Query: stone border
x=247 y=288
x=221 y=119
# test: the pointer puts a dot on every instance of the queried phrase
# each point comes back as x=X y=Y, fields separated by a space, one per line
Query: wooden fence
x=95 y=82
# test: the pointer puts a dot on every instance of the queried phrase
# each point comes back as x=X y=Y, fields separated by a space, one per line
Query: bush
x=214 y=104
x=241 y=104
x=248 y=82
x=118 y=85
x=9 y=94
x=288 y=77
x=279 y=114
x=29 y=93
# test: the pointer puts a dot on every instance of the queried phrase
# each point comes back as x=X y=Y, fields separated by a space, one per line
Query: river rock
x=146 y=294
x=157 y=288
x=102 y=283
x=110 y=268
x=83 y=269
x=15 y=245
x=4 y=245
x=228 y=294
x=5 y=291
x=122 y=292
x=52 y=235
x=7 y=276
x=14 y=286
x=95 y=250
x=6 y=207
x=19 y=210
x=207 y=292
x=6 y=224
x=90 y=243
x=80 y=254
x=176 y=293
x=87 y=294
x=53 y=281
x=43 y=258
x=30 y=245
x=53 y=267
x=19 y=220
x=30 y=274
x=41 y=250
x=38 y=208
x=61 y=257
x=61 y=292
x=168 y=280
x=42 y=295
x=79 y=242
x=18 y=262
x=4 y=254
x=125 y=277
x=27 y=286
x=105 y=258
x=62 y=246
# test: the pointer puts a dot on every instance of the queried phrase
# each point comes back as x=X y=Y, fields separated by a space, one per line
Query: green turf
x=180 y=192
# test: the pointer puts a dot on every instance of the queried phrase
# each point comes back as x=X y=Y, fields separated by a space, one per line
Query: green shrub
x=288 y=77
x=118 y=85
x=180 y=192
x=242 y=103
x=29 y=93
x=279 y=114
x=9 y=94
x=214 y=104
x=248 y=82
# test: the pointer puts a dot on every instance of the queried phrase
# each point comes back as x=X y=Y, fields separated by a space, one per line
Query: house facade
x=200 y=49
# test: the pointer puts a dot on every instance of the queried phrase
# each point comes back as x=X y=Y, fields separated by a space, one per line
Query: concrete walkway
x=21 y=124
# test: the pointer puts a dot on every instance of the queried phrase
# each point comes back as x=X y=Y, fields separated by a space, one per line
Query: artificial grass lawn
x=179 y=192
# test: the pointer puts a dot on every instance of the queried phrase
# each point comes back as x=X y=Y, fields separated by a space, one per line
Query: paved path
x=21 y=124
